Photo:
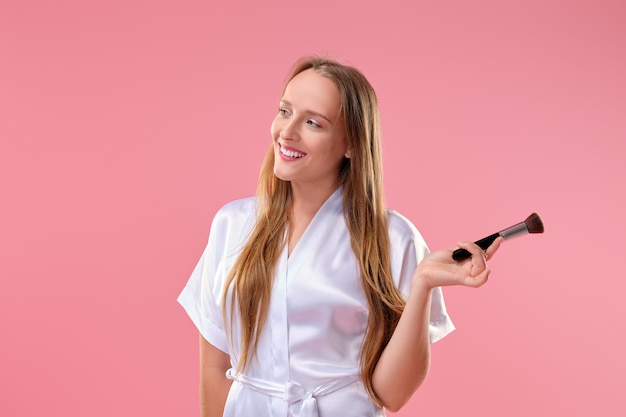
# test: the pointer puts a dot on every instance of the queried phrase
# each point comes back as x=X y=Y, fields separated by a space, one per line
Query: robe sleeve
x=408 y=248
x=201 y=297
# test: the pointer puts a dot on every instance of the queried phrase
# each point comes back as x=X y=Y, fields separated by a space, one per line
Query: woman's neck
x=305 y=204
x=307 y=200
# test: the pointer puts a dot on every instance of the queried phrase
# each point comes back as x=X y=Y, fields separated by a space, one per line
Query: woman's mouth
x=290 y=153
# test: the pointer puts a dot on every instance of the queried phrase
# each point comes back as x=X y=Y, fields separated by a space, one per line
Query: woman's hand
x=438 y=269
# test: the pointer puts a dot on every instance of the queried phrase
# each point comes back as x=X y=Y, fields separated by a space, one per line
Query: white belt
x=292 y=392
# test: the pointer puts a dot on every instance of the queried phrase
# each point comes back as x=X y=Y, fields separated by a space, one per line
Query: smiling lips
x=290 y=153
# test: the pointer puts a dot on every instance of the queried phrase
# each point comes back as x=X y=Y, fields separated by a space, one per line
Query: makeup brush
x=532 y=224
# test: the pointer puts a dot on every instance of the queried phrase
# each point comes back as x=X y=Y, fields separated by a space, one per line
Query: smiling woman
x=312 y=299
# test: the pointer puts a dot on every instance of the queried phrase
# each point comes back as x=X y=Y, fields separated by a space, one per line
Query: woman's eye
x=313 y=123
x=283 y=111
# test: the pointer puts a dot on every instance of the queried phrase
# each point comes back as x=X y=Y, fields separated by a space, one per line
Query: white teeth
x=291 y=154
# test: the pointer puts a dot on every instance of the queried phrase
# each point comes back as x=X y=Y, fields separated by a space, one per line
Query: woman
x=312 y=299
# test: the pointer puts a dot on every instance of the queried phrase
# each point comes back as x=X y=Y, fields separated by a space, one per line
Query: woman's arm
x=404 y=364
x=214 y=385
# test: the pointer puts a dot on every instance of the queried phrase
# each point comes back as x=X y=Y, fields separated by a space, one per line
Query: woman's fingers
x=475 y=281
x=475 y=269
x=439 y=269
x=493 y=248
x=476 y=251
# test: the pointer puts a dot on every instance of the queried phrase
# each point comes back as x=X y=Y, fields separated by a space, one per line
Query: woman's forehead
x=310 y=89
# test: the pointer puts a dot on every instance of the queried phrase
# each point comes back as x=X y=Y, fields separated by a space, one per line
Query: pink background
x=124 y=125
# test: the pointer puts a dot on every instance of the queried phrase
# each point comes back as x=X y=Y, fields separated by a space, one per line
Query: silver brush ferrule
x=518 y=229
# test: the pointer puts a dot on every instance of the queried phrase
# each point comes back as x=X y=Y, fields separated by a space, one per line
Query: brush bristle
x=534 y=223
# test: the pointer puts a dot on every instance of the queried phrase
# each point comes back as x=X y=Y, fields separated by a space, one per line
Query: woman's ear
x=348 y=154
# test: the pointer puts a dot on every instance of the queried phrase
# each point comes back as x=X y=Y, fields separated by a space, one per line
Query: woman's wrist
x=420 y=284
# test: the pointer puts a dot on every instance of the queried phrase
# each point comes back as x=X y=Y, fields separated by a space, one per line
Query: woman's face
x=308 y=132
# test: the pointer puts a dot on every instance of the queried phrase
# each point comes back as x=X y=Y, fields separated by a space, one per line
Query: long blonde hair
x=364 y=211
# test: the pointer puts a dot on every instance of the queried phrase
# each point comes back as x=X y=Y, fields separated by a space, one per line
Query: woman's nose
x=289 y=130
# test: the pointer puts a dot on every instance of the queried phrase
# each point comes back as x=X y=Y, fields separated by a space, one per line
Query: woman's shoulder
x=402 y=229
x=241 y=205
x=236 y=213
x=399 y=223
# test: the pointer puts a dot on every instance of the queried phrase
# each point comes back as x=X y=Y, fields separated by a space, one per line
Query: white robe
x=307 y=361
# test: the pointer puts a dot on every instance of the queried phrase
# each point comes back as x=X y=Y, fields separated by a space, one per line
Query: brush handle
x=484 y=243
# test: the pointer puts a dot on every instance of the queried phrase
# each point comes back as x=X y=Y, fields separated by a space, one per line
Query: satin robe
x=307 y=361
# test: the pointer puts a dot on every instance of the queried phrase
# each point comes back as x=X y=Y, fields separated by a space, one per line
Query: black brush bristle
x=534 y=223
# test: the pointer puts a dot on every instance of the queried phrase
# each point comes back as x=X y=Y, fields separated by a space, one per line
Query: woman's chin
x=281 y=174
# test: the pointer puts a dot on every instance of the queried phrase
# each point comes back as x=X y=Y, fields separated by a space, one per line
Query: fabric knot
x=302 y=403
x=295 y=393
